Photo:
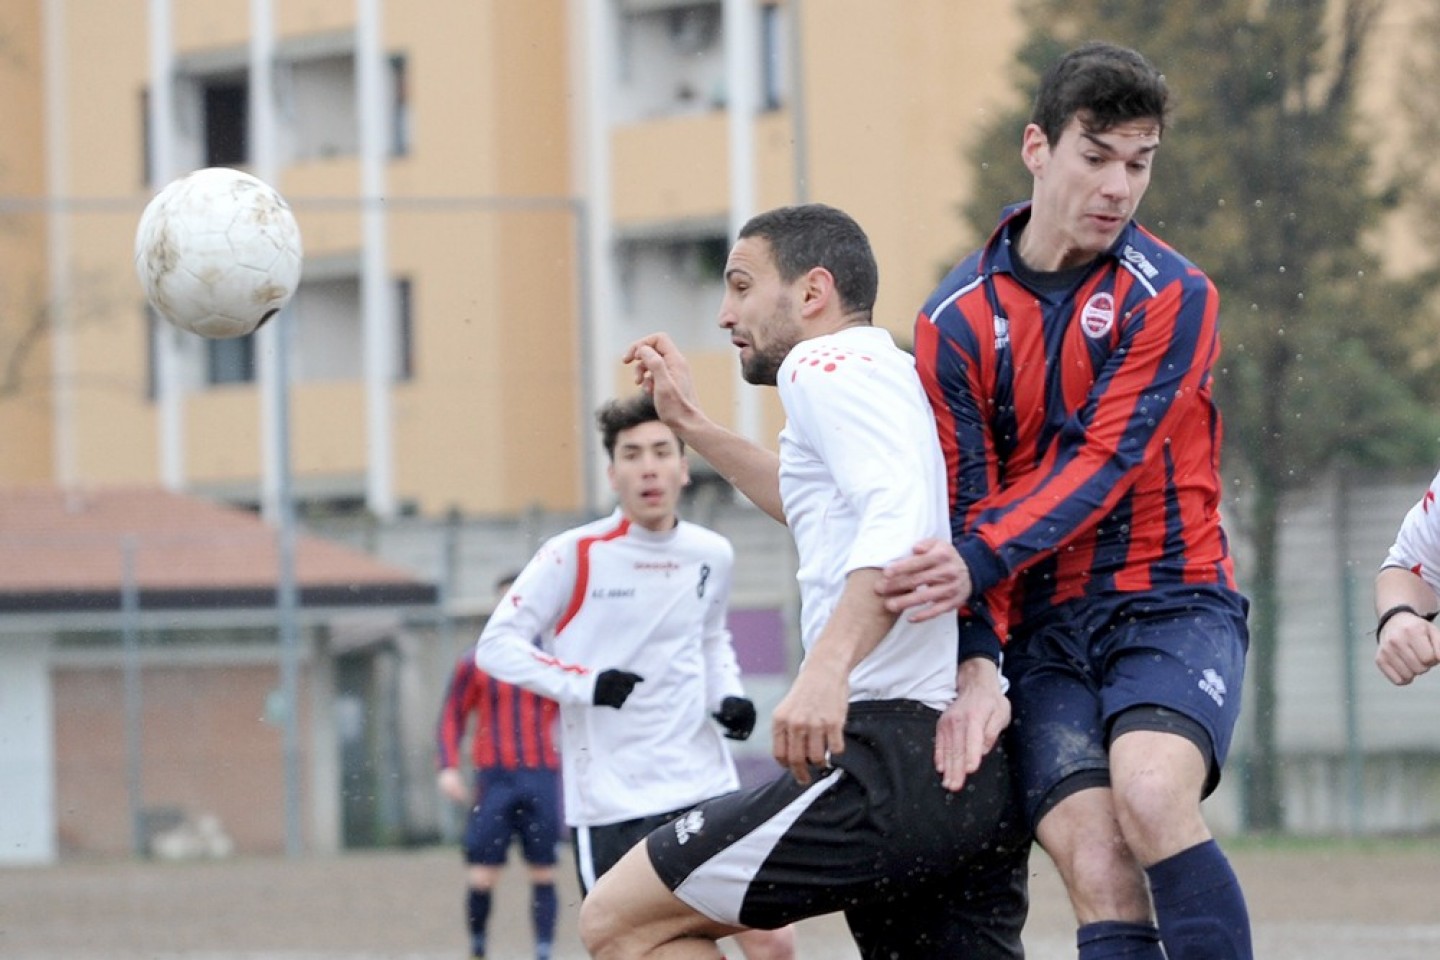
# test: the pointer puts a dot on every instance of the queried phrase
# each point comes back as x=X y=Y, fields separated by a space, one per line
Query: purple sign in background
x=760 y=641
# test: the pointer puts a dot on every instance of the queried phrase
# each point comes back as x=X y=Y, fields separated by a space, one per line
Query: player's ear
x=610 y=475
x=818 y=290
x=1034 y=149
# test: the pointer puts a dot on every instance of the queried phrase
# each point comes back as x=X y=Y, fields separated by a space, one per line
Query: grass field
x=1320 y=900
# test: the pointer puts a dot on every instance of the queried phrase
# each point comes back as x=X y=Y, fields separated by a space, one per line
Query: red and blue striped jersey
x=1080 y=436
x=513 y=727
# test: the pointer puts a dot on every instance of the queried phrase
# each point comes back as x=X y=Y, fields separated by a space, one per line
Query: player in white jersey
x=1407 y=594
x=887 y=815
x=631 y=611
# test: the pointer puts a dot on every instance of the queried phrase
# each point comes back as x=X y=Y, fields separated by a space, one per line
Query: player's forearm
x=747 y=466
x=1395 y=586
x=856 y=627
x=509 y=657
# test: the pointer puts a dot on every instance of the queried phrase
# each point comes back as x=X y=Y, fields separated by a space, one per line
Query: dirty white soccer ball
x=218 y=252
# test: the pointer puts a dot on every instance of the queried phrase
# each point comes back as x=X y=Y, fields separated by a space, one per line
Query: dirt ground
x=1332 y=900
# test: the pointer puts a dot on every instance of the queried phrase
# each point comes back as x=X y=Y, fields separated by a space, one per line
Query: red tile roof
x=187 y=551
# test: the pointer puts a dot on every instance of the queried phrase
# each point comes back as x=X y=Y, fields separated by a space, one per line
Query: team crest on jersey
x=688 y=826
x=1098 y=316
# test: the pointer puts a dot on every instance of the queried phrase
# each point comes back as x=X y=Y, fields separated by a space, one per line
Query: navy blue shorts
x=1177 y=653
x=514 y=803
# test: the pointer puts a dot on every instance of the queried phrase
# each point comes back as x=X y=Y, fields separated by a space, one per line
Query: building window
x=328 y=341
x=230 y=361
x=152 y=353
x=404 y=331
x=673 y=284
x=225 y=111
x=671 y=60
x=147 y=159
x=400 y=107
x=322 y=91
x=773 y=57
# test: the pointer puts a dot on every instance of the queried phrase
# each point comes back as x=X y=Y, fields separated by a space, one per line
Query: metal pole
x=741 y=58
x=134 y=742
x=275 y=400
x=798 y=118
x=1354 y=759
x=376 y=307
x=287 y=594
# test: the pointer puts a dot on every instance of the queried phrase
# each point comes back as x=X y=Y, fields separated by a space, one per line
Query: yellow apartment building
x=495 y=196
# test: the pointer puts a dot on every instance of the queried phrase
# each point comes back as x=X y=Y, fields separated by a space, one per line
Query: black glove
x=737 y=716
x=612 y=687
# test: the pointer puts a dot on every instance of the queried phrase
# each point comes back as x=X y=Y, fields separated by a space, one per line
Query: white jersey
x=1417 y=544
x=862 y=479
x=611 y=594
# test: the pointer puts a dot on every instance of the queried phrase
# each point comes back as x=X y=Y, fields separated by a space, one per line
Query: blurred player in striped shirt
x=516 y=789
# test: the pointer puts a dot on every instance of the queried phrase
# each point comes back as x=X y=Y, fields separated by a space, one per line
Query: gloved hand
x=612 y=687
x=737 y=716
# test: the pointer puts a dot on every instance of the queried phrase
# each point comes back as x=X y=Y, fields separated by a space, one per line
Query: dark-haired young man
x=880 y=817
x=1069 y=365
x=636 y=651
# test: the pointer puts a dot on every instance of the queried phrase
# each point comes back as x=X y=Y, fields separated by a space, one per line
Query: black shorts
x=597 y=849
x=917 y=869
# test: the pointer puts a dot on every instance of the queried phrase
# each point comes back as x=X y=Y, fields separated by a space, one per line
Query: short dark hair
x=1104 y=85
x=815 y=235
x=617 y=416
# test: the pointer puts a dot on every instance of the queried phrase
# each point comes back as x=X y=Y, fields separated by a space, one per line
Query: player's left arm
x=972 y=723
x=1406 y=637
x=809 y=723
x=1153 y=379
x=450 y=731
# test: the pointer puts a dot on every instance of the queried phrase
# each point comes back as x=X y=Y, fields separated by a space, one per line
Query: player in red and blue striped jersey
x=516 y=794
x=1069 y=364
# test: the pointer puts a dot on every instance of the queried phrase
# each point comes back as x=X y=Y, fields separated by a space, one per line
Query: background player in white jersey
x=636 y=652
x=864 y=824
x=1407 y=594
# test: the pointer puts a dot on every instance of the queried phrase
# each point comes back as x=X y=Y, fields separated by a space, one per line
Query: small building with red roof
x=140 y=676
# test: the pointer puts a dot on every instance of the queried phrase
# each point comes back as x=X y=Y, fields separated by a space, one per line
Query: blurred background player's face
x=758 y=310
x=647 y=474
x=1087 y=187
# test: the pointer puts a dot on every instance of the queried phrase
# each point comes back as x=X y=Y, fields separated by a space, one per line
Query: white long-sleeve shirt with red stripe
x=611 y=594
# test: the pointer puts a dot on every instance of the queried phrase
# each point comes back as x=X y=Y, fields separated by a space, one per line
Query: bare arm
x=809 y=723
x=930 y=582
x=969 y=727
x=662 y=370
x=1408 y=644
x=452 y=783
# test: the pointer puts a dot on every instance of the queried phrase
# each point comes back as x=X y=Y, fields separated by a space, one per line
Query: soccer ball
x=218 y=252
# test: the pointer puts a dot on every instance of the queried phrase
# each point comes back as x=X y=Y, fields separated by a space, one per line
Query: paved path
x=1335 y=903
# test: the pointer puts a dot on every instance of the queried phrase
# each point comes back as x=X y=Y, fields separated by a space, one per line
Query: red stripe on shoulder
x=582 y=570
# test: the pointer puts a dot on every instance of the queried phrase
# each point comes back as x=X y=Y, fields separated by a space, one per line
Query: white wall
x=27 y=752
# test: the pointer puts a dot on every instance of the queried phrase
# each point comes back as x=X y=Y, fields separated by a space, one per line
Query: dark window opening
x=227 y=119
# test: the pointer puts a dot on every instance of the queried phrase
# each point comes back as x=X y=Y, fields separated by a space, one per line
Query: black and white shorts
x=876 y=836
x=597 y=849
